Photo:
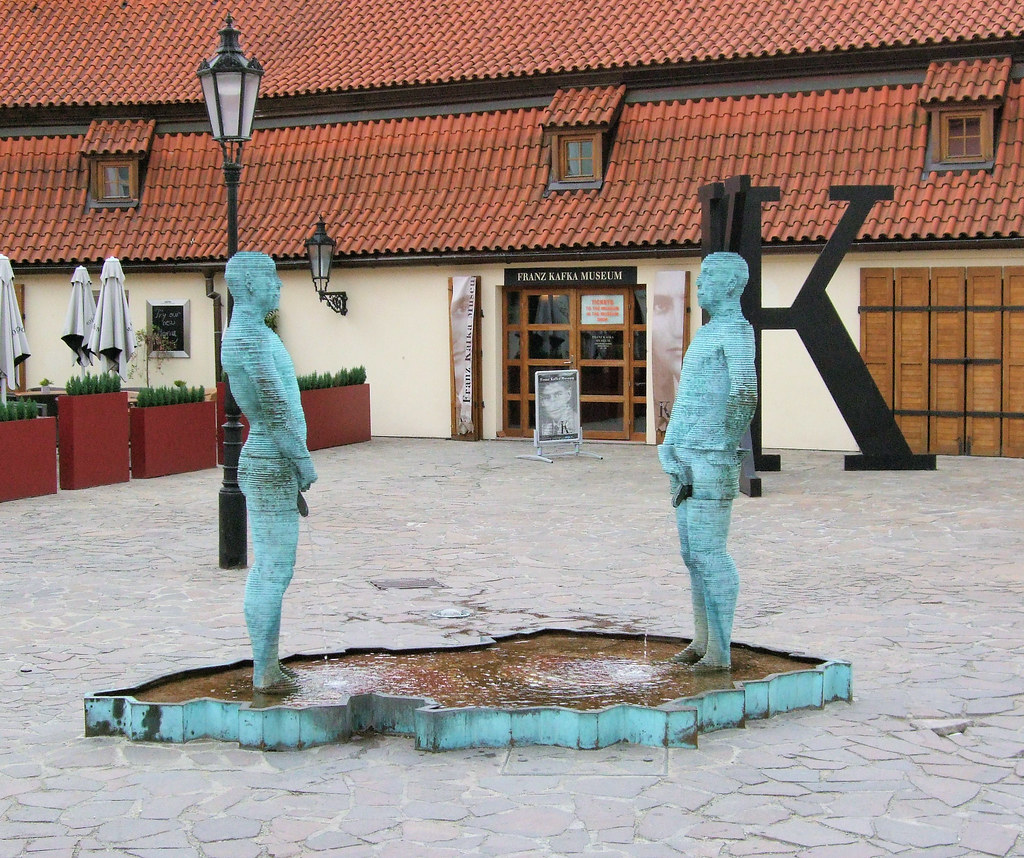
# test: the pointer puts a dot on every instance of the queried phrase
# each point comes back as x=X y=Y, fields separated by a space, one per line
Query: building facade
x=557 y=157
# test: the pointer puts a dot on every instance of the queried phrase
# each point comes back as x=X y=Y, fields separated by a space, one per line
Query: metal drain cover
x=405 y=583
x=451 y=613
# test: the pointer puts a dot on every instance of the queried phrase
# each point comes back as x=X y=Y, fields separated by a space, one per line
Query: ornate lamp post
x=231 y=84
x=321 y=254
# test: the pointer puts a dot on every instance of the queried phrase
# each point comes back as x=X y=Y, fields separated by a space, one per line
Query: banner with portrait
x=463 y=317
x=670 y=334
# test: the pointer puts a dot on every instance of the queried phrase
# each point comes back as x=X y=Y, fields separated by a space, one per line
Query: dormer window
x=579 y=157
x=578 y=128
x=962 y=99
x=115 y=181
x=114 y=151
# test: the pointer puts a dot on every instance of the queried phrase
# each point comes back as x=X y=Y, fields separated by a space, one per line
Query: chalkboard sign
x=170 y=319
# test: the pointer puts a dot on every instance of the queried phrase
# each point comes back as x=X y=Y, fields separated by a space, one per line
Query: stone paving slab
x=915 y=577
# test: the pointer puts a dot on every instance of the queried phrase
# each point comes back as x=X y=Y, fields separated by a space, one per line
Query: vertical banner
x=670 y=334
x=463 y=317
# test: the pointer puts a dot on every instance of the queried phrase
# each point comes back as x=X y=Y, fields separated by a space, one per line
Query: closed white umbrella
x=79 y=318
x=13 y=343
x=113 y=336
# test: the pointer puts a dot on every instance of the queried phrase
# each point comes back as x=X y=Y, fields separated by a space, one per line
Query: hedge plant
x=341 y=378
x=18 y=409
x=107 y=382
x=150 y=397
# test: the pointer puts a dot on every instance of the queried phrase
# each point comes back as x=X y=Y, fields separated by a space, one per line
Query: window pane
x=117 y=181
x=602 y=416
x=639 y=345
x=964 y=137
x=601 y=380
x=513 y=308
x=515 y=414
x=549 y=344
x=640 y=417
x=513 y=383
x=579 y=159
x=639 y=306
x=513 y=345
x=548 y=310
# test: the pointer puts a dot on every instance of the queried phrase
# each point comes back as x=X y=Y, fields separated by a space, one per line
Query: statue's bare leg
x=699 y=645
x=275 y=539
x=707 y=531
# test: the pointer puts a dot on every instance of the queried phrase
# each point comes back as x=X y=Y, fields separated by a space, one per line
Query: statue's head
x=253 y=282
x=722 y=279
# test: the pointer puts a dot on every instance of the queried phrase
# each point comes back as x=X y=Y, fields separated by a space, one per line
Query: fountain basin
x=552 y=687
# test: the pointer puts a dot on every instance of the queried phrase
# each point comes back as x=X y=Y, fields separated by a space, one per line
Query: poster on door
x=602 y=309
x=463 y=315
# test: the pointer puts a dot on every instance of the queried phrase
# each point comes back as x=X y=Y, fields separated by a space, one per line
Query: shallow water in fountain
x=579 y=671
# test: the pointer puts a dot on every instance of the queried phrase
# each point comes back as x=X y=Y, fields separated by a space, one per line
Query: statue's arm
x=742 y=401
x=278 y=407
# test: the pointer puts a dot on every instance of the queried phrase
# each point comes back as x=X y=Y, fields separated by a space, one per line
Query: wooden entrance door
x=601 y=332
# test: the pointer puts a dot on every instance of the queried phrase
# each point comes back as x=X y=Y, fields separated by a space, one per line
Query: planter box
x=30 y=458
x=221 y=388
x=173 y=439
x=336 y=415
x=93 y=439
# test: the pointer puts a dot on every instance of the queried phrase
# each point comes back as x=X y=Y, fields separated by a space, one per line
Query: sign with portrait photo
x=558 y=407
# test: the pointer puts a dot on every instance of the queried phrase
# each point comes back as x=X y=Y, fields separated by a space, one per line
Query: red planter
x=30 y=458
x=173 y=439
x=336 y=415
x=93 y=439
x=221 y=388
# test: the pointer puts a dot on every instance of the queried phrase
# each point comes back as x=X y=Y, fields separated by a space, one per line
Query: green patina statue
x=274 y=465
x=714 y=404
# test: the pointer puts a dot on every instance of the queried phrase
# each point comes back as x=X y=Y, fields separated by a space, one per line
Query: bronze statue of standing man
x=714 y=404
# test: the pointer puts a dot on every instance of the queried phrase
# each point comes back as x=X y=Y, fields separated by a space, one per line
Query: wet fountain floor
x=574 y=670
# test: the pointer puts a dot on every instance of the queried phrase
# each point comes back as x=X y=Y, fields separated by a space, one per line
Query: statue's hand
x=307 y=473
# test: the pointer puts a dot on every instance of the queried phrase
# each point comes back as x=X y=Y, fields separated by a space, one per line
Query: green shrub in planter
x=150 y=397
x=24 y=409
x=108 y=382
x=341 y=378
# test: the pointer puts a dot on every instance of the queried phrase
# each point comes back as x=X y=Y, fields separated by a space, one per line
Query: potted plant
x=30 y=445
x=44 y=385
x=173 y=430
x=92 y=431
x=337 y=407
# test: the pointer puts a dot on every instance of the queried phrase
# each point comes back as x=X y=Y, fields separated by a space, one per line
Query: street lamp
x=231 y=84
x=321 y=254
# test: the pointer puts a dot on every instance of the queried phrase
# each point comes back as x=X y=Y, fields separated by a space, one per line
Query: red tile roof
x=476 y=182
x=589 y=105
x=967 y=80
x=146 y=51
x=119 y=137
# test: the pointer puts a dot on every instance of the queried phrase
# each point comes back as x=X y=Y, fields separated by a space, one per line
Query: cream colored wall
x=46 y=303
x=398 y=328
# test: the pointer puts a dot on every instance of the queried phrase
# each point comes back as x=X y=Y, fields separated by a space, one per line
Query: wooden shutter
x=948 y=350
x=910 y=383
x=1013 y=361
x=984 y=367
x=876 y=327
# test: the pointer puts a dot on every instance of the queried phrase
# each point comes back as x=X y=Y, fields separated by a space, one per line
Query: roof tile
x=584 y=106
x=119 y=137
x=477 y=182
x=151 y=48
x=966 y=80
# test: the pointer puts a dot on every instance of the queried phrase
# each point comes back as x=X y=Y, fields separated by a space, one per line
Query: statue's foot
x=690 y=655
x=277 y=680
x=711 y=665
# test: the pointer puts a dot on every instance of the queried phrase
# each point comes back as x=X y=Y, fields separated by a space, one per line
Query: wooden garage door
x=946 y=348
